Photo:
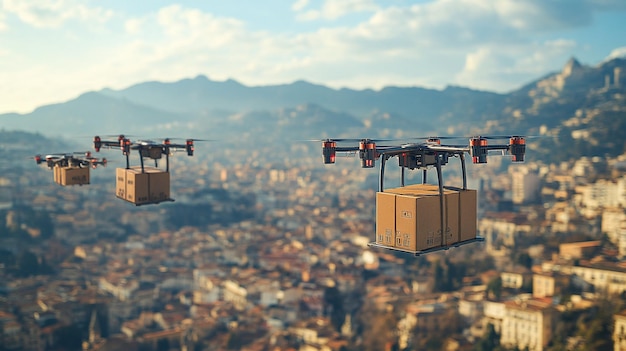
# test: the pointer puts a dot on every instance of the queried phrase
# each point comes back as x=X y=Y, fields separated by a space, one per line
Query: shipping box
x=467 y=213
x=385 y=218
x=73 y=175
x=159 y=184
x=120 y=183
x=419 y=221
x=150 y=186
x=137 y=187
x=450 y=214
x=57 y=174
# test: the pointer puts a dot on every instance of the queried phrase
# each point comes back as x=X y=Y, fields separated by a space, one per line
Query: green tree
x=333 y=306
x=27 y=264
x=494 y=288
x=490 y=340
x=524 y=260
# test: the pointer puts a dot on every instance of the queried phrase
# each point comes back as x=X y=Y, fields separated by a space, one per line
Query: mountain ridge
x=200 y=105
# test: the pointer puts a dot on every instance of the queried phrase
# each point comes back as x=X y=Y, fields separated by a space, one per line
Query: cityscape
x=285 y=175
x=268 y=255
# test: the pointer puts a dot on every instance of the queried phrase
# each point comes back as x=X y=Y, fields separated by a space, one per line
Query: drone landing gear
x=423 y=252
x=154 y=202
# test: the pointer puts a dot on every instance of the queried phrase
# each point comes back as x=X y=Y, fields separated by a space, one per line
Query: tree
x=524 y=259
x=490 y=341
x=494 y=288
x=27 y=264
x=333 y=306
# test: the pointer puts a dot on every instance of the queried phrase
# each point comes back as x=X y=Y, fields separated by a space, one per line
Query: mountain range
x=558 y=104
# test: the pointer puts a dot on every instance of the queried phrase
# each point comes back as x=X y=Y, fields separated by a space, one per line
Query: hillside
x=582 y=109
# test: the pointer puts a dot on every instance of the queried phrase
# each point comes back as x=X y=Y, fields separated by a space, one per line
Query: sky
x=51 y=51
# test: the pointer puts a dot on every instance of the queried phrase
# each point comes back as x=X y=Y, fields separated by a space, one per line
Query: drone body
x=142 y=185
x=423 y=218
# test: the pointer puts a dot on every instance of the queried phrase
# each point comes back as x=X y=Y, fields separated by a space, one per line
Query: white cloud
x=483 y=44
x=617 y=53
x=334 y=9
x=495 y=67
x=53 y=13
x=299 y=5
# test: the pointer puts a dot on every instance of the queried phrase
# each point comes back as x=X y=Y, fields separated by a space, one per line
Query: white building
x=613 y=219
x=528 y=324
x=525 y=185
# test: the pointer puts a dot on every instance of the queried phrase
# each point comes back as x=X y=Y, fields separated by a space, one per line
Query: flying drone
x=145 y=148
x=406 y=217
x=142 y=185
x=69 y=168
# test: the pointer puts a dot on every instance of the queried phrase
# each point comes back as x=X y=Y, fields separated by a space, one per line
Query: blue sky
x=53 y=50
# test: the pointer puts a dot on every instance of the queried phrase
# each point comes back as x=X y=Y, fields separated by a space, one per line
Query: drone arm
x=346 y=149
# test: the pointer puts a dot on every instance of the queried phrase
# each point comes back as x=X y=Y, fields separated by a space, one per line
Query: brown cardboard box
x=452 y=219
x=157 y=182
x=120 y=183
x=137 y=187
x=159 y=185
x=467 y=214
x=450 y=208
x=418 y=216
x=74 y=175
x=385 y=219
x=57 y=174
x=415 y=228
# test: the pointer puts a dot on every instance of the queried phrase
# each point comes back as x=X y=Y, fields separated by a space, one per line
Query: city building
x=528 y=323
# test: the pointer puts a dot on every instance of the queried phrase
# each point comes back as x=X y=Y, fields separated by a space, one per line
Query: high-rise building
x=525 y=186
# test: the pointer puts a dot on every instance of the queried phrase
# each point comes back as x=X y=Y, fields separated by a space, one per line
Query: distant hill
x=201 y=95
x=577 y=104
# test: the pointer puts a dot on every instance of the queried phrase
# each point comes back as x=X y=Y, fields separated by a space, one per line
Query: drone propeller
x=341 y=140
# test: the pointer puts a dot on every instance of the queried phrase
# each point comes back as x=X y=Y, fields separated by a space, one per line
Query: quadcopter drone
x=430 y=153
x=404 y=215
x=70 y=169
x=70 y=160
x=146 y=148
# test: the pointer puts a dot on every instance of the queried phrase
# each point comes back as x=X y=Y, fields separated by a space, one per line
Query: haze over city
x=52 y=51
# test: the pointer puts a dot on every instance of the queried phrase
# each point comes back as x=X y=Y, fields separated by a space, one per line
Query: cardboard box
x=159 y=185
x=137 y=187
x=414 y=189
x=56 y=170
x=385 y=219
x=151 y=185
x=73 y=175
x=418 y=216
x=120 y=183
x=467 y=214
x=417 y=222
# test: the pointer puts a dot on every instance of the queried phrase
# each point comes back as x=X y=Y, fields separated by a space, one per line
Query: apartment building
x=515 y=278
x=525 y=186
x=604 y=277
x=579 y=250
x=549 y=284
x=500 y=230
x=619 y=331
x=528 y=324
x=613 y=219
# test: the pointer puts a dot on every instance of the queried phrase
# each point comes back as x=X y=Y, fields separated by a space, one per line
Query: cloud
x=617 y=53
x=3 y=25
x=299 y=5
x=491 y=45
x=495 y=67
x=333 y=9
x=53 y=13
